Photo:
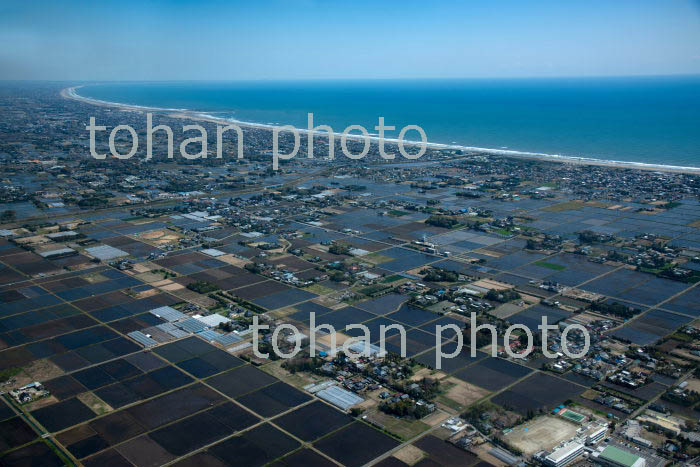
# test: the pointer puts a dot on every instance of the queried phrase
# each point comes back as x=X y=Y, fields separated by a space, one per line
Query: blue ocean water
x=652 y=120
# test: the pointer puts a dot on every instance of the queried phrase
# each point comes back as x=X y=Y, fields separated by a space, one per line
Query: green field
x=544 y=264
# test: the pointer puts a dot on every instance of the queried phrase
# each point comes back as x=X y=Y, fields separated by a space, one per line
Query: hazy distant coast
x=71 y=93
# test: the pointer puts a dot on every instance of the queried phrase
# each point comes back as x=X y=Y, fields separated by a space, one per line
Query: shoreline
x=70 y=93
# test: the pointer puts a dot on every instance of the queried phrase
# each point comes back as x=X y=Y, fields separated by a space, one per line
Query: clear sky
x=310 y=39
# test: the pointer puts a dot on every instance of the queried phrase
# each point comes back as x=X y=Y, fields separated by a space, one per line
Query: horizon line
x=436 y=78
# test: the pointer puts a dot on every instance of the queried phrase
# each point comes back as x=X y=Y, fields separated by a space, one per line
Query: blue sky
x=309 y=39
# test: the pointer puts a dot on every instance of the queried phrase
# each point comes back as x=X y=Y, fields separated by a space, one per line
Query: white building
x=596 y=435
x=564 y=455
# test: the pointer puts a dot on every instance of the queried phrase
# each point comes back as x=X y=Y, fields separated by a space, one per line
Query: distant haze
x=309 y=39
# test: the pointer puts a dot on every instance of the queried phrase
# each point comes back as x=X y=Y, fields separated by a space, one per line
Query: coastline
x=70 y=93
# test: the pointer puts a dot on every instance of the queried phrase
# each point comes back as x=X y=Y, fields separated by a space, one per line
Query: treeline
x=445 y=222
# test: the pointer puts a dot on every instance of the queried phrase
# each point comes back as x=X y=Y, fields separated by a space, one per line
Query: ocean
x=649 y=120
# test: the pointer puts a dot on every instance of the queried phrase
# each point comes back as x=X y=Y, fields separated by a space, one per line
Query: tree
x=502 y=296
x=440 y=275
x=616 y=309
x=338 y=249
x=253 y=267
x=7 y=215
x=337 y=276
x=202 y=287
x=531 y=244
x=445 y=222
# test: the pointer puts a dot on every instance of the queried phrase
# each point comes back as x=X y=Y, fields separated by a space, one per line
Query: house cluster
x=29 y=393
